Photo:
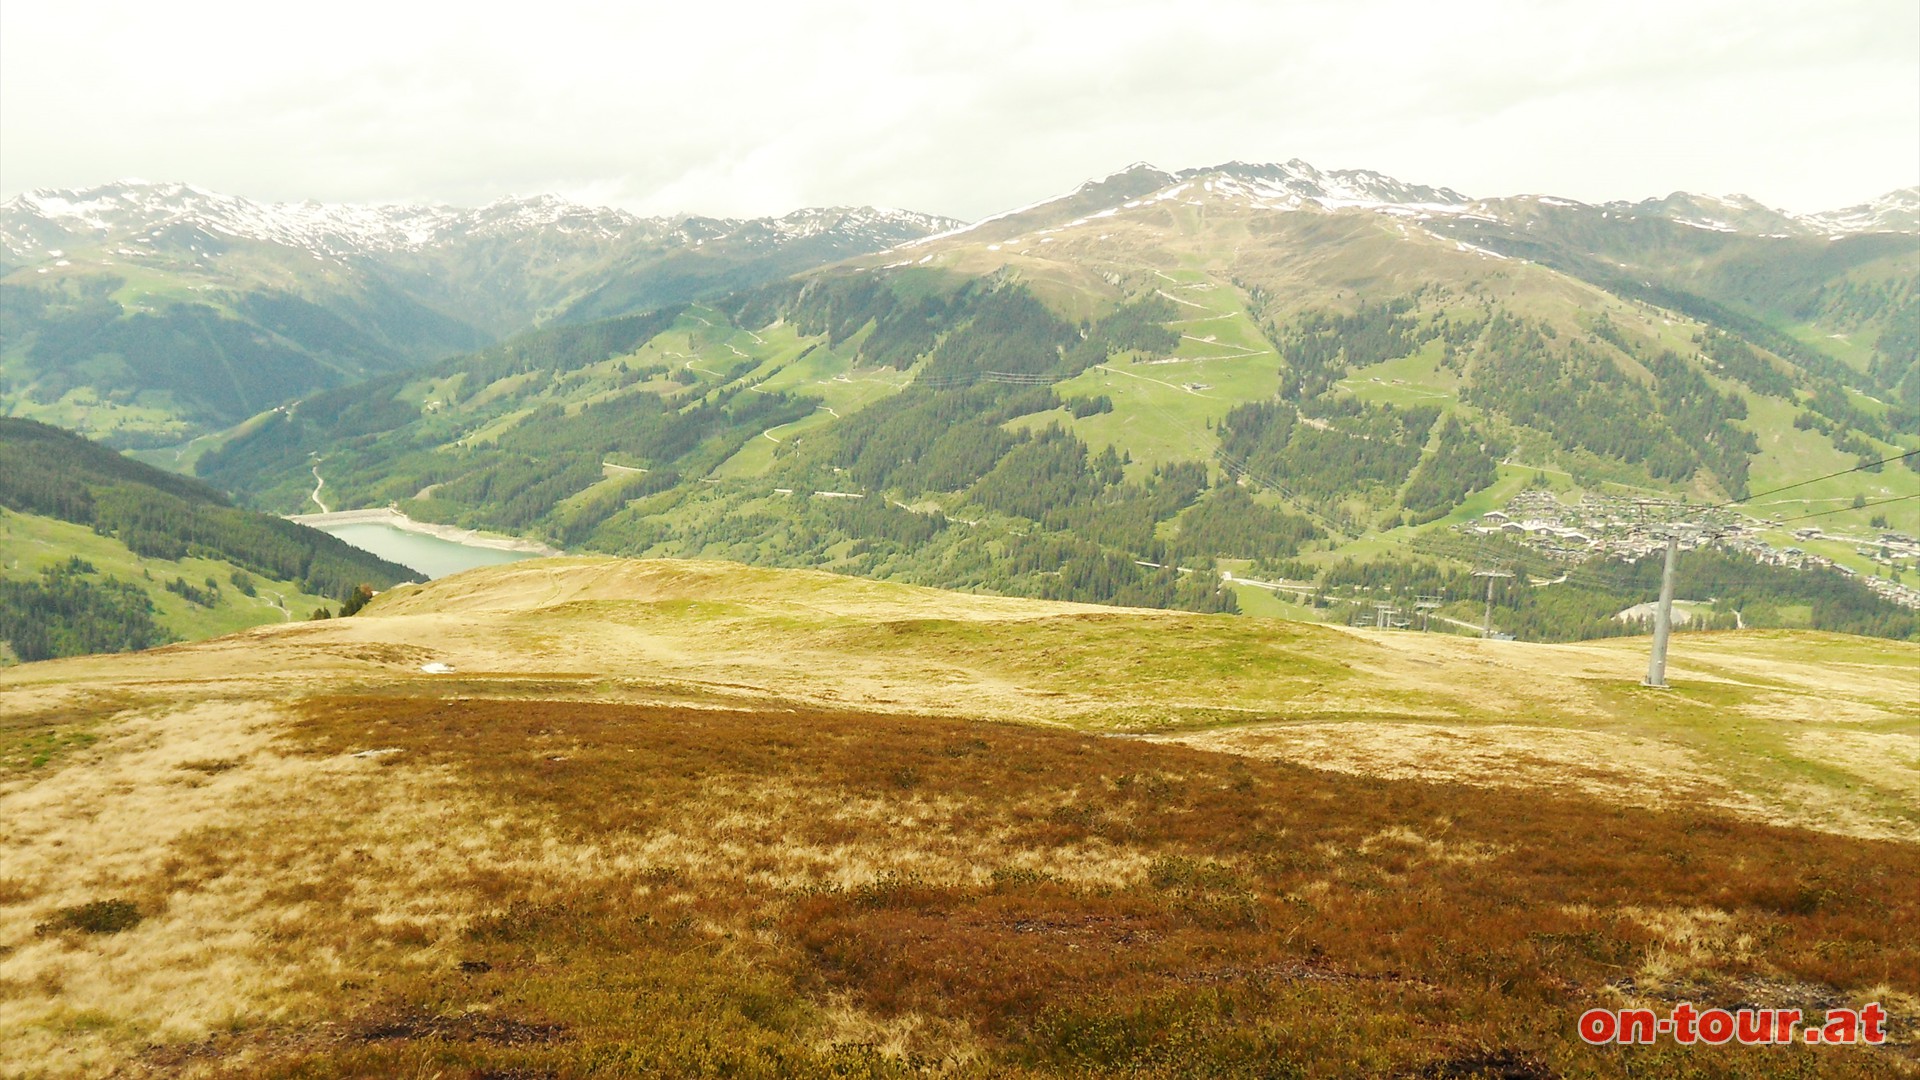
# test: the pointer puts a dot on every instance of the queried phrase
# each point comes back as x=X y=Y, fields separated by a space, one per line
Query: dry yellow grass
x=1398 y=704
x=202 y=817
x=1616 y=767
x=285 y=878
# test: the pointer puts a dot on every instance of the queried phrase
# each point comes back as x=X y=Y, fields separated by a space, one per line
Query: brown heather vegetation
x=609 y=846
x=790 y=892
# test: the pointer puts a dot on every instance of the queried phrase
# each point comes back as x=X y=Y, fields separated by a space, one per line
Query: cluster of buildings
x=1904 y=595
x=1893 y=550
x=1602 y=525
x=1634 y=528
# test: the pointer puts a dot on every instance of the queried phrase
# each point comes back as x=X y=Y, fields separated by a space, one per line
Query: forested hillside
x=1844 y=310
x=1219 y=389
x=101 y=553
x=168 y=370
x=149 y=314
x=962 y=431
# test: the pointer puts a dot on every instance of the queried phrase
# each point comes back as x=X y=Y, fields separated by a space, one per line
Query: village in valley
x=1637 y=527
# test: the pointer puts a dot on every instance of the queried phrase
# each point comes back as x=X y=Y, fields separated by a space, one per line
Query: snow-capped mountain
x=217 y=306
x=878 y=225
x=1296 y=184
x=1716 y=213
x=1896 y=211
x=36 y=222
x=499 y=268
x=135 y=209
x=1299 y=186
x=1292 y=185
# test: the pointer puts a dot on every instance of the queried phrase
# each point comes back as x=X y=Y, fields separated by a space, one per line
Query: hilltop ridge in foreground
x=612 y=817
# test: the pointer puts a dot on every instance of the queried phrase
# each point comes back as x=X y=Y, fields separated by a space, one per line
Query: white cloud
x=728 y=107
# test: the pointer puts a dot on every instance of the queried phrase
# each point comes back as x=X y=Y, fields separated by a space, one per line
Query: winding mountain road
x=318 y=483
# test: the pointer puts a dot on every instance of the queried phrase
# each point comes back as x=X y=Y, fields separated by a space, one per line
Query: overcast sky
x=956 y=108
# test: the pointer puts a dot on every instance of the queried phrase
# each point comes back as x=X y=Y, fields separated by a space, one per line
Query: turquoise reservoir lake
x=430 y=555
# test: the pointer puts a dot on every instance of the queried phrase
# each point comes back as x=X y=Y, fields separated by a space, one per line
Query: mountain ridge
x=131 y=205
x=150 y=314
x=338 y=229
x=1116 y=406
x=1269 y=370
x=1299 y=185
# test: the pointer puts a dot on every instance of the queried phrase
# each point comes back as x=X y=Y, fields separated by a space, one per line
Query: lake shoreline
x=387 y=515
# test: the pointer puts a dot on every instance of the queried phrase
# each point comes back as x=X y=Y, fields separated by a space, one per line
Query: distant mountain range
x=32 y=225
x=1288 y=374
x=1271 y=370
x=1298 y=185
x=149 y=313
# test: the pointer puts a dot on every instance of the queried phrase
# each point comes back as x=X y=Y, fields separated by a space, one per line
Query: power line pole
x=1425 y=605
x=1486 y=621
x=1383 y=613
x=1663 y=621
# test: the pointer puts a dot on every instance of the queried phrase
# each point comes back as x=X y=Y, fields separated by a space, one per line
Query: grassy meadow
x=694 y=819
x=33 y=543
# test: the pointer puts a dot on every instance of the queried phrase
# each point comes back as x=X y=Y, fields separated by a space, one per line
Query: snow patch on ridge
x=34 y=222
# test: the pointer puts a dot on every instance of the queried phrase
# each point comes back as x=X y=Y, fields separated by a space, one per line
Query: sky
x=965 y=109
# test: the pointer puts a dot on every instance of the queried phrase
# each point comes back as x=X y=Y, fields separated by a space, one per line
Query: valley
x=1190 y=627
x=684 y=542
x=149 y=315
x=1162 y=387
x=434 y=551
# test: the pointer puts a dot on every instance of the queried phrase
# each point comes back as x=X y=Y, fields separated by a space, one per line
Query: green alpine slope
x=99 y=553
